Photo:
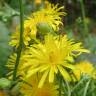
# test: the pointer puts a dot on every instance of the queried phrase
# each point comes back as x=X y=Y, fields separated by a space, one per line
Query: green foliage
x=4 y=83
x=6 y=13
x=4 y=48
x=90 y=42
x=86 y=86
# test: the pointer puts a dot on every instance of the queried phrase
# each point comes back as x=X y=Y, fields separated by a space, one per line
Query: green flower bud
x=44 y=28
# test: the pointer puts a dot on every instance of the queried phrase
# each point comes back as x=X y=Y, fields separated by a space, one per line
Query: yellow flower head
x=16 y=36
x=48 y=16
x=51 y=56
x=38 y=1
x=83 y=67
x=30 y=88
x=11 y=63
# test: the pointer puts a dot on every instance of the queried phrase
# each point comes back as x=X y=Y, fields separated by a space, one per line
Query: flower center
x=52 y=57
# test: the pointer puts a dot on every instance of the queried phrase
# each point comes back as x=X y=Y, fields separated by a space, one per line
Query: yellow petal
x=70 y=66
x=51 y=75
x=70 y=58
x=43 y=79
x=84 y=50
x=64 y=73
x=32 y=71
x=43 y=68
x=55 y=69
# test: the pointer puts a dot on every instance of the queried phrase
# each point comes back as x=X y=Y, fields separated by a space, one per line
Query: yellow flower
x=38 y=1
x=21 y=69
x=83 y=67
x=49 y=15
x=16 y=36
x=51 y=56
x=30 y=88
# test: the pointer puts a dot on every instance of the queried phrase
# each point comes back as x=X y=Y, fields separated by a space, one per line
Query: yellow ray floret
x=51 y=56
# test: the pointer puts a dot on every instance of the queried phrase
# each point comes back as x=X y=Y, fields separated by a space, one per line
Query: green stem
x=68 y=88
x=60 y=85
x=78 y=84
x=20 y=41
x=84 y=17
x=86 y=88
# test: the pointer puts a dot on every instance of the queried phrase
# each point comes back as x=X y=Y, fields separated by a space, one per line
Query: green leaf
x=4 y=83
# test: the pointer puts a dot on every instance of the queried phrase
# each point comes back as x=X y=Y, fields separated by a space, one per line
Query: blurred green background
x=79 y=23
